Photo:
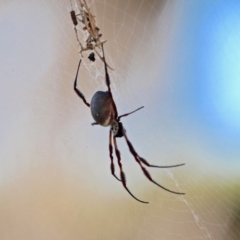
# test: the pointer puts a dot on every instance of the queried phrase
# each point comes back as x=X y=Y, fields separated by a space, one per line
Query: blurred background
x=180 y=59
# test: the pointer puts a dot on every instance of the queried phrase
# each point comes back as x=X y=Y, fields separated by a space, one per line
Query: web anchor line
x=197 y=219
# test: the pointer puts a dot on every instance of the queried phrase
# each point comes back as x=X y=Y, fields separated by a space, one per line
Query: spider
x=104 y=112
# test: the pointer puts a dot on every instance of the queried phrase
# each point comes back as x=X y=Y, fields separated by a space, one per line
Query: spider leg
x=78 y=92
x=95 y=123
x=123 y=178
x=107 y=78
x=146 y=173
x=150 y=165
x=126 y=114
x=144 y=161
x=111 y=156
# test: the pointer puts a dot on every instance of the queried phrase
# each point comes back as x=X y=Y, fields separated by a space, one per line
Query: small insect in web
x=104 y=112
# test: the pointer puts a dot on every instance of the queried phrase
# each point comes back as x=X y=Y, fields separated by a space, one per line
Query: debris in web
x=91 y=57
x=93 y=41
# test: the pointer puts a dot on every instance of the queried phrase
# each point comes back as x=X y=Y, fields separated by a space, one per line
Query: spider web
x=55 y=180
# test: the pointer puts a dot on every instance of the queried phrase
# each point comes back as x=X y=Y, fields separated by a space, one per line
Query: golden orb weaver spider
x=104 y=112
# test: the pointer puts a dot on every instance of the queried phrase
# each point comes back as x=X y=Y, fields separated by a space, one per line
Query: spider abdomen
x=102 y=108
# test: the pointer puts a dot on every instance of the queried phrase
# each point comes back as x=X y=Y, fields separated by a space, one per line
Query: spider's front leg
x=123 y=178
x=140 y=160
x=111 y=156
x=78 y=92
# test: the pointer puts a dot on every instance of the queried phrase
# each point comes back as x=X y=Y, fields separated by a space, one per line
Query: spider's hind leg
x=78 y=92
x=107 y=79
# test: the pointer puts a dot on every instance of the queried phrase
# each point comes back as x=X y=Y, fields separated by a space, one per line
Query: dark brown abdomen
x=102 y=108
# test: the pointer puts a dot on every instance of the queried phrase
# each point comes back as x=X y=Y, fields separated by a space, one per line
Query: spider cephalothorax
x=104 y=112
x=117 y=129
